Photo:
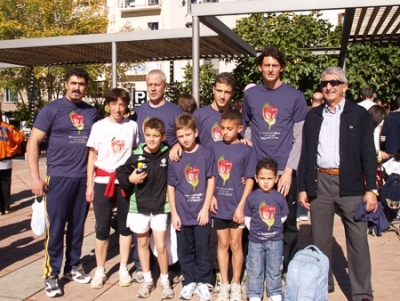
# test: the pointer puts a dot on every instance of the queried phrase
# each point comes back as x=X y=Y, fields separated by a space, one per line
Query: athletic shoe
x=217 y=282
x=244 y=280
x=223 y=294
x=77 y=274
x=188 y=291
x=146 y=289
x=51 y=287
x=167 y=292
x=124 y=278
x=275 y=298
x=98 y=279
x=203 y=292
x=236 y=292
x=138 y=277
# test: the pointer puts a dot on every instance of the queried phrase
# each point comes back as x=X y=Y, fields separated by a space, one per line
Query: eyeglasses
x=332 y=82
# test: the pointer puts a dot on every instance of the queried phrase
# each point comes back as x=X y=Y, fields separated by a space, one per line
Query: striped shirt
x=328 y=145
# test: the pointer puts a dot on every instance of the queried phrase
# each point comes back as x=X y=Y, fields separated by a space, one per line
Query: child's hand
x=214 y=205
x=137 y=178
x=89 y=194
x=238 y=216
x=175 y=152
x=202 y=217
x=176 y=222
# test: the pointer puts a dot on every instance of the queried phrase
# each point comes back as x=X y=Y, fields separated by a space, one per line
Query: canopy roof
x=136 y=46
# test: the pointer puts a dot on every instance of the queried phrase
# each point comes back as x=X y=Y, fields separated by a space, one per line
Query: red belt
x=330 y=171
x=110 y=188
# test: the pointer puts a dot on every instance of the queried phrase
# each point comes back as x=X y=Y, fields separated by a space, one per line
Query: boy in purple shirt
x=191 y=184
x=265 y=212
x=235 y=161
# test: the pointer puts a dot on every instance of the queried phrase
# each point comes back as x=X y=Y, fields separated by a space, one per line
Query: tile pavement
x=21 y=257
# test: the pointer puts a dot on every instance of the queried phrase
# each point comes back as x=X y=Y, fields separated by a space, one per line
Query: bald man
x=317 y=99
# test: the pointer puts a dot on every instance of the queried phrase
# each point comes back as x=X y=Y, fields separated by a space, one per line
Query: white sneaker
x=167 y=292
x=188 y=291
x=146 y=289
x=77 y=274
x=98 y=279
x=275 y=298
x=138 y=277
x=236 y=292
x=203 y=292
x=223 y=294
x=124 y=278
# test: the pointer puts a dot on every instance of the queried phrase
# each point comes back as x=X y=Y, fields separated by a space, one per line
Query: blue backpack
x=307 y=276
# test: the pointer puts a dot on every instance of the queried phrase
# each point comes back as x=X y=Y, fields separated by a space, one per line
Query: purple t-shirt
x=189 y=177
x=272 y=114
x=233 y=161
x=67 y=126
x=266 y=210
x=207 y=121
x=167 y=113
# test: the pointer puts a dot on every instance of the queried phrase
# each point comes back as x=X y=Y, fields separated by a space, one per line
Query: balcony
x=139 y=5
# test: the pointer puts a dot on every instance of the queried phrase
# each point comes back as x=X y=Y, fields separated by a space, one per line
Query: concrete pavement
x=21 y=257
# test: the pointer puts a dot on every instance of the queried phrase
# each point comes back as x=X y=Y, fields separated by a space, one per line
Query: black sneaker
x=78 y=274
x=51 y=287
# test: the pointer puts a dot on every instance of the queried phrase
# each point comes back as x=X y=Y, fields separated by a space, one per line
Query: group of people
x=201 y=171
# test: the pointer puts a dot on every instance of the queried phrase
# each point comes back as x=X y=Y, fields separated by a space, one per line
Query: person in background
x=67 y=123
x=110 y=143
x=391 y=130
x=317 y=99
x=10 y=145
x=265 y=212
x=187 y=103
x=378 y=115
x=367 y=95
x=337 y=171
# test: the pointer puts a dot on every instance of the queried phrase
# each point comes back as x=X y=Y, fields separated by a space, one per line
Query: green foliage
x=36 y=18
x=295 y=35
x=374 y=65
x=207 y=79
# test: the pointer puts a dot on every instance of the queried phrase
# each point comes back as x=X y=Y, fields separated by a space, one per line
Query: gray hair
x=157 y=71
x=335 y=70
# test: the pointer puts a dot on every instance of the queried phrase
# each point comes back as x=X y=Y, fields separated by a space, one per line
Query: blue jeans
x=264 y=259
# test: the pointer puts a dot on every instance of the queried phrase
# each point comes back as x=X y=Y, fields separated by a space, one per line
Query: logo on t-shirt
x=216 y=132
x=224 y=168
x=77 y=120
x=163 y=162
x=269 y=113
x=117 y=145
x=267 y=214
x=192 y=175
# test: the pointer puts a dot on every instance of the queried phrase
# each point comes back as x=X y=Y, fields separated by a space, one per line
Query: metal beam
x=348 y=21
x=264 y=6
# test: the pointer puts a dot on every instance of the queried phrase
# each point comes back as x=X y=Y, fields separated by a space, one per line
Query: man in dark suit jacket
x=336 y=173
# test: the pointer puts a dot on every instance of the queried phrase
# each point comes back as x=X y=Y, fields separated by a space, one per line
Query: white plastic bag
x=39 y=221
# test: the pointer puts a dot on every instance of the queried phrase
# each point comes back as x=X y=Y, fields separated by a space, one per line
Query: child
x=187 y=103
x=145 y=175
x=265 y=212
x=191 y=184
x=235 y=161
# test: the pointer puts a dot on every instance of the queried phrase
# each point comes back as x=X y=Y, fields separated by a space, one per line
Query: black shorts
x=222 y=224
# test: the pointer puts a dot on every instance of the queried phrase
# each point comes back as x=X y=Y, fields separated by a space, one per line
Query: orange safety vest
x=10 y=140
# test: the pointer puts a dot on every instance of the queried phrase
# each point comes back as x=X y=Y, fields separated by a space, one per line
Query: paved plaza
x=21 y=257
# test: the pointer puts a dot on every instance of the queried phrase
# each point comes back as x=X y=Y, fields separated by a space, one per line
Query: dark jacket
x=151 y=195
x=356 y=147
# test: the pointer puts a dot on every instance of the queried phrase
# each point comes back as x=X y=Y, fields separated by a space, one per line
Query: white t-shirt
x=114 y=143
x=6 y=164
x=367 y=104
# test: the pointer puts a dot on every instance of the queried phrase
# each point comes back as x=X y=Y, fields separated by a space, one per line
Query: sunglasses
x=332 y=82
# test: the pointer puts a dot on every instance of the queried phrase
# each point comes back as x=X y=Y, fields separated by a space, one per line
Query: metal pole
x=196 y=58
x=114 y=55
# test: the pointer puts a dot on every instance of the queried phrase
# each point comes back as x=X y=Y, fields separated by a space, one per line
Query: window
x=153 y=25
x=11 y=96
x=204 y=1
x=153 y=2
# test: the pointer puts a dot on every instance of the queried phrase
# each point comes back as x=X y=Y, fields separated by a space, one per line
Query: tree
x=207 y=78
x=295 y=35
x=35 y=18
